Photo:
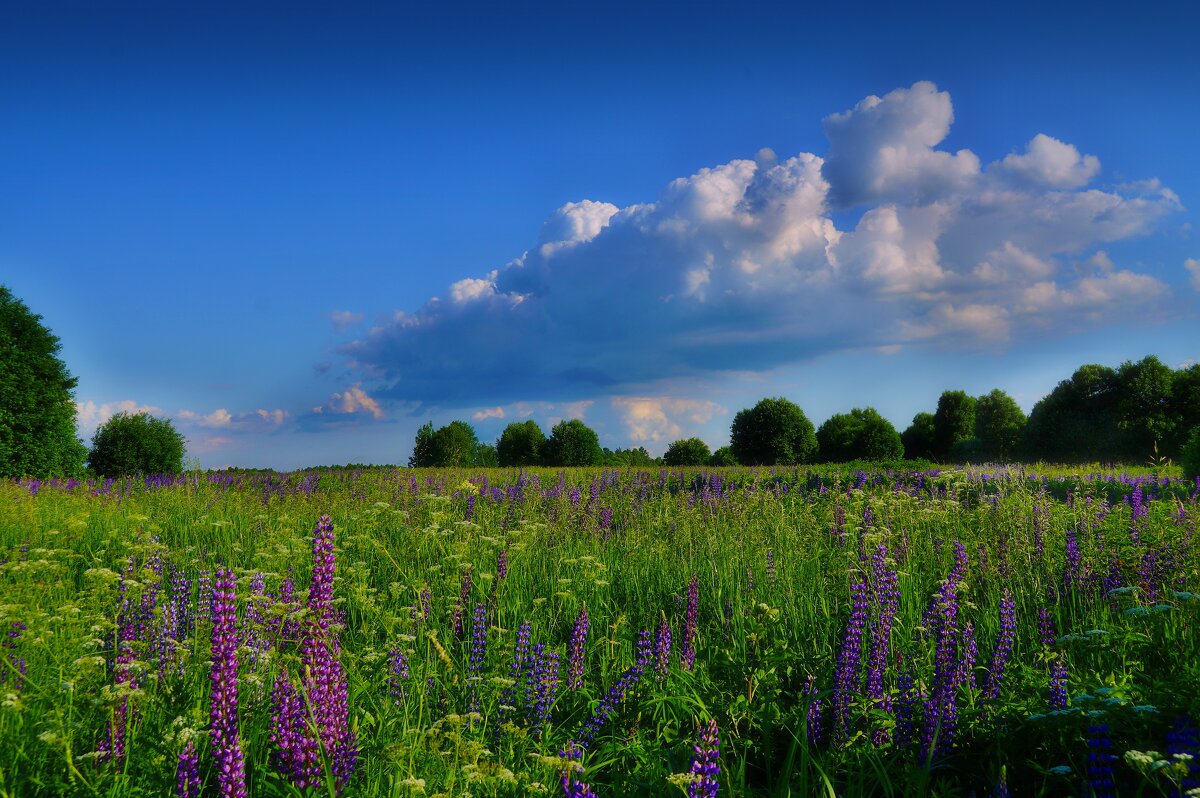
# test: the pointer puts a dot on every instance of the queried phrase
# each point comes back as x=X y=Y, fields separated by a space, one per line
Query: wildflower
x=705 y=765
x=187 y=772
x=687 y=652
x=1058 y=684
x=662 y=649
x=1100 y=769
x=1004 y=644
x=227 y=748
x=575 y=664
x=847 y=675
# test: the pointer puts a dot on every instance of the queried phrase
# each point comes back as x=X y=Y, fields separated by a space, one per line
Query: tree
x=455 y=445
x=861 y=434
x=1185 y=408
x=37 y=407
x=723 y=457
x=422 y=455
x=628 y=458
x=918 y=439
x=1077 y=421
x=1190 y=456
x=999 y=424
x=484 y=456
x=1144 y=407
x=572 y=443
x=953 y=423
x=136 y=444
x=690 y=452
x=520 y=444
x=773 y=432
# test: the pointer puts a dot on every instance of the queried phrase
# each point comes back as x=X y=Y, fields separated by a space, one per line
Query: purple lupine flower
x=478 y=653
x=705 y=766
x=970 y=653
x=187 y=772
x=687 y=651
x=1058 y=684
x=1041 y=520
x=571 y=785
x=887 y=599
x=728 y=613
x=1004 y=645
x=605 y=520
x=771 y=566
x=662 y=649
x=204 y=598
x=941 y=711
x=1073 y=568
x=545 y=678
x=470 y=507
x=398 y=675
x=839 y=524
x=520 y=666
x=1046 y=627
x=226 y=747
x=577 y=659
x=1100 y=759
x=1138 y=512
x=113 y=746
x=909 y=710
x=501 y=565
x=813 y=715
x=845 y=680
x=296 y=752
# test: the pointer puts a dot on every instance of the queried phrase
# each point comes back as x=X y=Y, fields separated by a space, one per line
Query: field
x=788 y=632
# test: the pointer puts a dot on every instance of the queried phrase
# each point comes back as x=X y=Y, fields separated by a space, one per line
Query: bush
x=773 y=432
x=690 y=452
x=858 y=435
x=37 y=410
x=136 y=444
x=723 y=457
x=1190 y=456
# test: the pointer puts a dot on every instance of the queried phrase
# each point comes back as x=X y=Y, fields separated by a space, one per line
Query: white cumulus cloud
x=350 y=402
x=89 y=416
x=740 y=267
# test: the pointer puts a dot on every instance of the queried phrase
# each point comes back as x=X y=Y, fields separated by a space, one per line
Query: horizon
x=302 y=236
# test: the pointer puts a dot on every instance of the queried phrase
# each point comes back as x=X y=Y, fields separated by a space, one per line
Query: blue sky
x=301 y=231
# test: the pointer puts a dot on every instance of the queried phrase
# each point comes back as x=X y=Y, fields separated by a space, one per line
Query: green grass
x=68 y=551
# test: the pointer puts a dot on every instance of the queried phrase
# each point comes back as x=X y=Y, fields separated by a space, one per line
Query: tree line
x=1139 y=412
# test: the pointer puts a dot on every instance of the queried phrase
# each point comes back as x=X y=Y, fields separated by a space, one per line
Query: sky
x=301 y=230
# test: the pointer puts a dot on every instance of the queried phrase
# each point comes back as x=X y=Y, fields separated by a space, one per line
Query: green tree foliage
x=1190 y=455
x=1185 y=408
x=485 y=456
x=861 y=434
x=999 y=424
x=690 y=452
x=773 y=432
x=520 y=444
x=572 y=443
x=953 y=424
x=136 y=444
x=1144 y=407
x=723 y=457
x=37 y=409
x=1077 y=421
x=628 y=458
x=422 y=454
x=918 y=439
x=455 y=445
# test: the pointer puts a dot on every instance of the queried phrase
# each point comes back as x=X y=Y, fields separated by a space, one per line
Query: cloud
x=89 y=416
x=344 y=319
x=740 y=268
x=488 y=412
x=222 y=419
x=1193 y=266
x=353 y=401
x=661 y=419
x=1051 y=163
x=883 y=149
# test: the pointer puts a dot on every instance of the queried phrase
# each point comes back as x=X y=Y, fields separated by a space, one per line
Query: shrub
x=136 y=444
x=858 y=435
x=690 y=452
x=773 y=432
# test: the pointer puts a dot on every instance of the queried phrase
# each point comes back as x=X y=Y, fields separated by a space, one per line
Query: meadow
x=395 y=632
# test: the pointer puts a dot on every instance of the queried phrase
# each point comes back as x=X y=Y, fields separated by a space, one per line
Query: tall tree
x=422 y=454
x=999 y=424
x=953 y=423
x=773 y=432
x=37 y=407
x=918 y=439
x=572 y=443
x=1144 y=407
x=520 y=444
x=1185 y=407
x=455 y=445
x=1077 y=422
